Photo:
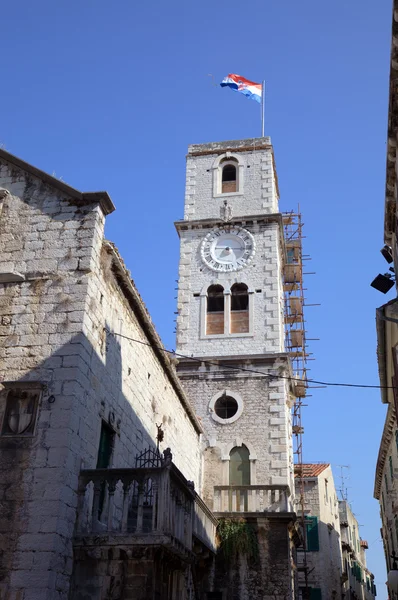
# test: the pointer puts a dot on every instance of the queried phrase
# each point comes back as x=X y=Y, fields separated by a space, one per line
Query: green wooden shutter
x=316 y=594
x=391 y=469
x=312 y=534
x=239 y=466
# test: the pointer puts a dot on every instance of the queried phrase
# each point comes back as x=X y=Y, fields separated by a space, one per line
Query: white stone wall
x=263 y=427
x=52 y=331
x=263 y=274
x=264 y=423
x=258 y=188
x=136 y=387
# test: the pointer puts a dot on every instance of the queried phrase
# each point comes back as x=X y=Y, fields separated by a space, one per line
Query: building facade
x=90 y=508
x=358 y=581
x=333 y=563
x=231 y=319
x=320 y=564
x=385 y=490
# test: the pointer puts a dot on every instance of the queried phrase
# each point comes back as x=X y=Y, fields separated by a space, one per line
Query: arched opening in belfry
x=229 y=179
x=215 y=310
x=239 y=308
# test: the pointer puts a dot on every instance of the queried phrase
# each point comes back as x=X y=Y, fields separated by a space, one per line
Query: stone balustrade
x=251 y=498
x=150 y=503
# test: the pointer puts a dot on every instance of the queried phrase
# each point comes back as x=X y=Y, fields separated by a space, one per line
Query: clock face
x=227 y=249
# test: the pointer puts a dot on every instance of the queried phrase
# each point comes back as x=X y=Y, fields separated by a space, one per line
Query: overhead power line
x=256 y=371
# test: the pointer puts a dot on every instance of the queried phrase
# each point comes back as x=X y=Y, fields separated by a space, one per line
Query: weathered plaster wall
x=324 y=565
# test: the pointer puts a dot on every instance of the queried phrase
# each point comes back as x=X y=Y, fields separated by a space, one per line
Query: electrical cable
x=255 y=371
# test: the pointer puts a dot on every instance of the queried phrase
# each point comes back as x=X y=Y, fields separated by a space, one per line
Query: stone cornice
x=388 y=431
x=81 y=198
x=187 y=224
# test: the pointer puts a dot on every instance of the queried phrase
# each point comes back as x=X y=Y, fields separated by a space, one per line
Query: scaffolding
x=296 y=347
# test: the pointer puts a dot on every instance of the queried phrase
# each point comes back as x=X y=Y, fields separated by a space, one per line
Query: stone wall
x=258 y=192
x=264 y=425
x=268 y=576
x=264 y=280
x=58 y=320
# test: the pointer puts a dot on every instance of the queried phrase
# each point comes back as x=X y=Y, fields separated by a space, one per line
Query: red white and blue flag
x=240 y=84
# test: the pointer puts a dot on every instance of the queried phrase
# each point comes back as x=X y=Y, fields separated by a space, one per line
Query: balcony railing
x=143 y=505
x=251 y=498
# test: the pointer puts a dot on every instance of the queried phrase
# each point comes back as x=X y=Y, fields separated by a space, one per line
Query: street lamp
x=392 y=578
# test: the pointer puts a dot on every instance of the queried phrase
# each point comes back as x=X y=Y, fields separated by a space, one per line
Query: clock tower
x=230 y=328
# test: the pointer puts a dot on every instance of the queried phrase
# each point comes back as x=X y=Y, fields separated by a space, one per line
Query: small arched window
x=239 y=308
x=215 y=310
x=229 y=178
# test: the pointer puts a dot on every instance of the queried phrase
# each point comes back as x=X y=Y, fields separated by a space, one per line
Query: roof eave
x=102 y=198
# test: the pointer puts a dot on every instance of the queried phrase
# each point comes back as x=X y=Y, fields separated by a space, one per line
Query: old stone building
x=89 y=507
x=322 y=560
x=115 y=465
x=386 y=489
x=358 y=581
x=231 y=318
x=334 y=562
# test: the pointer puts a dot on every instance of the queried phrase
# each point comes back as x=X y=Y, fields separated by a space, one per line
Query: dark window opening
x=239 y=297
x=105 y=446
x=229 y=179
x=215 y=310
x=229 y=173
x=239 y=308
x=226 y=407
x=215 y=298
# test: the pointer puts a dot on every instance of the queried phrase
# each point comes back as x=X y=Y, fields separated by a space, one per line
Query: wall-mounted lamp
x=387 y=254
x=383 y=283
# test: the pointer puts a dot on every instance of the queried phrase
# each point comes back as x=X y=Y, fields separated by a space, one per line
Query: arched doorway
x=239 y=475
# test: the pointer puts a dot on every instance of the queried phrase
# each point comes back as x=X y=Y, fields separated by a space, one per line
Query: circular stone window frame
x=237 y=397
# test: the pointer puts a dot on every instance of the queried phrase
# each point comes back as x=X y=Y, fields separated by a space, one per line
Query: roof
x=102 y=198
x=310 y=469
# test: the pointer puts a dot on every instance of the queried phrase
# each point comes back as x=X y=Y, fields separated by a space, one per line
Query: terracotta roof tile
x=310 y=469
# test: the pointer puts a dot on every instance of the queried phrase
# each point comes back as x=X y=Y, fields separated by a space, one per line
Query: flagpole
x=262 y=108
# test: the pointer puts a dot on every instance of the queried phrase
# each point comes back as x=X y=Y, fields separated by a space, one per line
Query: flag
x=240 y=84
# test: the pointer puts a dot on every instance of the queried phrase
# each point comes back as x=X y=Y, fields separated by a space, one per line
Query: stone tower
x=231 y=315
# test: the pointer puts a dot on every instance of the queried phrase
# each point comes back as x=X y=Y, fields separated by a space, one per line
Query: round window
x=226 y=407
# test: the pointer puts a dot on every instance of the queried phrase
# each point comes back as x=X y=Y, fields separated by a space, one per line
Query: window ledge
x=226 y=336
x=226 y=194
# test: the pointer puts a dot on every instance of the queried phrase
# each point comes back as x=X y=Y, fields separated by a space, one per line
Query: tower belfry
x=231 y=314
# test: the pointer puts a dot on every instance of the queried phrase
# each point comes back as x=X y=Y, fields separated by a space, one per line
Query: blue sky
x=109 y=95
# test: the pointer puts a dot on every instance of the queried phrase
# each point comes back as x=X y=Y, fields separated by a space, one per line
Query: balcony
x=252 y=499
x=150 y=505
